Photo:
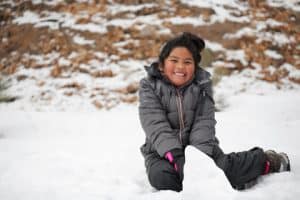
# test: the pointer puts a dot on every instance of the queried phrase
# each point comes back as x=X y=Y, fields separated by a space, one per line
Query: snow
x=64 y=62
x=43 y=58
x=55 y=20
x=95 y=155
x=242 y=32
x=28 y=17
x=293 y=71
x=214 y=46
x=272 y=54
x=135 y=20
x=91 y=27
x=47 y=2
x=222 y=14
x=212 y=3
x=279 y=39
x=223 y=64
x=119 y=8
x=82 y=41
x=260 y=31
x=196 y=21
x=291 y=4
x=236 y=55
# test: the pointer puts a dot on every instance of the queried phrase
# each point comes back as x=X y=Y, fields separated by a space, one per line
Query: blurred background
x=89 y=54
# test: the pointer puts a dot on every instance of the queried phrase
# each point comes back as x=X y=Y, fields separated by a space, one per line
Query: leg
x=242 y=168
x=163 y=176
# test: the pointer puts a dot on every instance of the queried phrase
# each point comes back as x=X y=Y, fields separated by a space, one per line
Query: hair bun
x=199 y=42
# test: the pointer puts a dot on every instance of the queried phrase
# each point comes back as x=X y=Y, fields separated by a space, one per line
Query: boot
x=277 y=162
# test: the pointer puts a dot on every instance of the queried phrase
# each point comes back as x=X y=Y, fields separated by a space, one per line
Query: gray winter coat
x=176 y=117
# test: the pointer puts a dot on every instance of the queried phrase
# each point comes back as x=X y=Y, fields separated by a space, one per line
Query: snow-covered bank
x=88 y=55
x=95 y=155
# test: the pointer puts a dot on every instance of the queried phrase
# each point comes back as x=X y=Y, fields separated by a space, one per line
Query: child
x=177 y=109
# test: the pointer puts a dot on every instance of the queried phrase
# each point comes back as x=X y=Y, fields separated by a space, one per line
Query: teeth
x=179 y=74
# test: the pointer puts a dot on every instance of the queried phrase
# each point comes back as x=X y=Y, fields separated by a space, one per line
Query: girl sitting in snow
x=177 y=109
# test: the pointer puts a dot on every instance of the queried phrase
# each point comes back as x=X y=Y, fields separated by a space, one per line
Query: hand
x=177 y=159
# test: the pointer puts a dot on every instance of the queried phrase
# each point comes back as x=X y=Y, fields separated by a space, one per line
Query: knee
x=162 y=179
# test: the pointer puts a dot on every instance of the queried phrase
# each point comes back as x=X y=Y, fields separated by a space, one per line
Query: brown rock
x=11 y=69
x=268 y=76
x=2 y=67
x=129 y=98
x=56 y=71
x=83 y=70
x=132 y=88
x=40 y=83
x=68 y=93
x=103 y=73
x=35 y=65
x=255 y=3
x=73 y=85
x=21 y=77
x=98 y=104
x=295 y=80
x=83 y=21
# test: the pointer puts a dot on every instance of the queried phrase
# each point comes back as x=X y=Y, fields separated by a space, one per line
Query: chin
x=179 y=84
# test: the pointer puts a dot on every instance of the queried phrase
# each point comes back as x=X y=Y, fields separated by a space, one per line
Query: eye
x=173 y=60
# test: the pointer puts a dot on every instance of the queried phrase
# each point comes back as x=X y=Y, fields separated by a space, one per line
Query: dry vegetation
x=139 y=42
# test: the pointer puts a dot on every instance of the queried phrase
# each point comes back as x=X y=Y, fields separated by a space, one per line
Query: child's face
x=179 y=66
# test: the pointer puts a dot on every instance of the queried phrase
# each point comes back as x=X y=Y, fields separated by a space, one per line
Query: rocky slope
x=63 y=53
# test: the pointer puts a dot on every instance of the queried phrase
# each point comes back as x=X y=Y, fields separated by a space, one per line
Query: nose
x=180 y=65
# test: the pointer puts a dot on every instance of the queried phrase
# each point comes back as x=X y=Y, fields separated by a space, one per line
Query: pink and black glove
x=176 y=159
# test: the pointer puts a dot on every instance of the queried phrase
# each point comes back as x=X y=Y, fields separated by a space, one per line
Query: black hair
x=190 y=41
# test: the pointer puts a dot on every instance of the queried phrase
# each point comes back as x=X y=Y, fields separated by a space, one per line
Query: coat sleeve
x=202 y=135
x=154 y=120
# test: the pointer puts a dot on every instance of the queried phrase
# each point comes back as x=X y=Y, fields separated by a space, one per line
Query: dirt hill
x=95 y=50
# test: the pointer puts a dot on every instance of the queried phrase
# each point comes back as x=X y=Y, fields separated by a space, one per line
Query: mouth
x=179 y=74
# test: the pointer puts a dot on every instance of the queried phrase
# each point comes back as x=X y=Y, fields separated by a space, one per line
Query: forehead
x=181 y=52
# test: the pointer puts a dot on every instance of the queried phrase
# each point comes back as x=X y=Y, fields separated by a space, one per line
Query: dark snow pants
x=162 y=175
x=240 y=169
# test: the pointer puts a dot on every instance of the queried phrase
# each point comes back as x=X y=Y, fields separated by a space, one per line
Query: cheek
x=168 y=66
x=191 y=70
x=167 y=63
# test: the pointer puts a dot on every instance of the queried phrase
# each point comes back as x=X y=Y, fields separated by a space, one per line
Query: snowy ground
x=95 y=155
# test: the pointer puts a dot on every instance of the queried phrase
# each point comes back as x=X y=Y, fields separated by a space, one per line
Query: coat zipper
x=180 y=110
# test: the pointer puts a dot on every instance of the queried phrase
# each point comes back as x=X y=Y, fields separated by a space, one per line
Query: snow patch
x=196 y=21
x=222 y=14
x=82 y=41
x=119 y=8
x=272 y=54
x=236 y=55
x=291 y=4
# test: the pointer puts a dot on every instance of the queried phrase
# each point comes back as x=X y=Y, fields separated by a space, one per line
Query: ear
x=161 y=67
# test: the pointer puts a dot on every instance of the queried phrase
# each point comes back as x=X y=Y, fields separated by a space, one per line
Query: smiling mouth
x=179 y=74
